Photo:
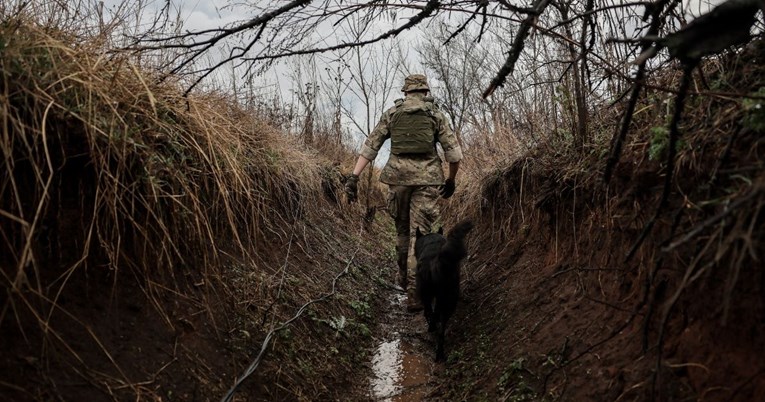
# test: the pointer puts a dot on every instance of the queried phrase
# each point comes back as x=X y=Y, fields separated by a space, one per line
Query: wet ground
x=402 y=363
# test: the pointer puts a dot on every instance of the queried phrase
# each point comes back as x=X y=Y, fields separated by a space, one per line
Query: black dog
x=438 y=276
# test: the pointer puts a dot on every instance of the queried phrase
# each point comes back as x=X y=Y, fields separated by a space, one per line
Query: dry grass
x=105 y=169
x=702 y=258
x=198 y=170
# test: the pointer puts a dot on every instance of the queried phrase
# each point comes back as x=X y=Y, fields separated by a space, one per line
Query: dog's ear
x=441 y=230
x=417 y=233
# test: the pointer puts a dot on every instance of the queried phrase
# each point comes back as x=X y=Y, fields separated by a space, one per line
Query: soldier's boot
x=413 y=302
x=403 y=279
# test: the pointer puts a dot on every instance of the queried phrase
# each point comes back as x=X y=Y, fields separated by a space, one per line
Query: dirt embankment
x=554 y=309
x=150 y=242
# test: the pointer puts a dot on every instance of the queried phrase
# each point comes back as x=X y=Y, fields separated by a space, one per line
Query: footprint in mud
x=401 y=367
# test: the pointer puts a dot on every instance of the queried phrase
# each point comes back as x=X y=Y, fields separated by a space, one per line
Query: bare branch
x=222 y=33
x=618 y=139
x=464 y=25
x=515 y=51
x=426 y=12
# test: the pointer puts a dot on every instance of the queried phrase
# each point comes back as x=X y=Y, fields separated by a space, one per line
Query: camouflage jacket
x=413 y=170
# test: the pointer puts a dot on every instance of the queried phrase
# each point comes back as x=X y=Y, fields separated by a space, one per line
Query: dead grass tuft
x=697 y=279
x=106 y=170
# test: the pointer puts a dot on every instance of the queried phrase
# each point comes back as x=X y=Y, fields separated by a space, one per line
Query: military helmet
x=415 y=82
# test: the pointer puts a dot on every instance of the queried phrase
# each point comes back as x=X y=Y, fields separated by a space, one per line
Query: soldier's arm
x=361 y=163
x=453 y=168
x=450 y=145
x=373 y=144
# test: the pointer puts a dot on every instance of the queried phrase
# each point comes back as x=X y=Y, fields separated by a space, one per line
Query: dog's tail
x=455 y=249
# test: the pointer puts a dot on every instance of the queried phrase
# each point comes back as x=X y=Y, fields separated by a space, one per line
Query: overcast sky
x=207 y=14
x=288 y=75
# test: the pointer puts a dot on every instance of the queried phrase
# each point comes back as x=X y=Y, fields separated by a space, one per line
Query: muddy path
x=402 y=368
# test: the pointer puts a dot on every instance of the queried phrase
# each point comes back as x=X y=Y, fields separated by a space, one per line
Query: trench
x=402 y=362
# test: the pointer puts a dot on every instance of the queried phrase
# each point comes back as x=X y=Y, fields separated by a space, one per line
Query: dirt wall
x=557 y=304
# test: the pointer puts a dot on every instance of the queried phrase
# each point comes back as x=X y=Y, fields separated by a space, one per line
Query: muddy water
x=401 y=365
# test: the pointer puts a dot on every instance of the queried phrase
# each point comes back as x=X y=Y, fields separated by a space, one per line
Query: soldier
x=413 y=173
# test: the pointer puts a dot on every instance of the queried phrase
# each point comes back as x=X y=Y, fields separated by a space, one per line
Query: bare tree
x=586 y=44
x=373 y=72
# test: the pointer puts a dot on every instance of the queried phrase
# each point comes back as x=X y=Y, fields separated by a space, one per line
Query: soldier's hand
x=447 y=189
x=351 y=187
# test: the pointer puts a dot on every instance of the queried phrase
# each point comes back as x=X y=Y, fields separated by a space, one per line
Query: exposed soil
x=539 y=326
x=554 y=309
x=110 y=340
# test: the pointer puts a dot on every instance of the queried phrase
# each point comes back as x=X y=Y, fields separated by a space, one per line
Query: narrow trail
x=402 y=361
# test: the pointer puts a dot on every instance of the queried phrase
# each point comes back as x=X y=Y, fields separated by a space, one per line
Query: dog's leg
x=426 y=300
x=440 y=355
x=442 y=316
x=435 y=317
x=429 y=313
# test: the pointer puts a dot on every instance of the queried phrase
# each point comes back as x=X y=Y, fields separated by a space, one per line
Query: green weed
x=362 y=329
x=517 y=364
x=337 y=323
x=306 y=368
x=454 y=356
x=754 y=112
x=660 y=143
x=361 y=308
x=513 y=384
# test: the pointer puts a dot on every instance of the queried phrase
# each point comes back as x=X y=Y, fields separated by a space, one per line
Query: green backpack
x=413 y=127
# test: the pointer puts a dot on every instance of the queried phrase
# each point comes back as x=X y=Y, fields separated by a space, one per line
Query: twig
x=426 y=12
x=255 y=363
x=745 y=383
x=674 y=133
x=464 y=25
x=661 y=289
x=584 y=269
x=281 y=282
x=711 y=221
x=618 y=140
x=669 y=306
x=515 y=52
x=605 y=303
x=723 y=158
x=520 y=10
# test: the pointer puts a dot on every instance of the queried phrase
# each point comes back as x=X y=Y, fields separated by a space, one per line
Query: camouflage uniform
x=413 y=179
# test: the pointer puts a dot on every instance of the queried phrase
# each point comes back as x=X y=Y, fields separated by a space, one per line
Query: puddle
x=401 y=372
x=386 y=365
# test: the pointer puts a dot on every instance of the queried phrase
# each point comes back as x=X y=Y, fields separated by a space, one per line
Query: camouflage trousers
x=412 y=207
